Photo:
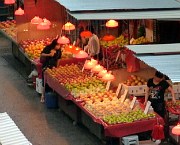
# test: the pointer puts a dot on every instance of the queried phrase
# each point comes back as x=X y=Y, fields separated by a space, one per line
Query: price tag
x=118 y=89
x=133 y=102
x=148 y=104
x=83 y=69
x=123 y=97
x=108 y=85
x=117 y=56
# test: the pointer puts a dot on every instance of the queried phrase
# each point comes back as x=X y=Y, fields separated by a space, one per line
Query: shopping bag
x=158 y=131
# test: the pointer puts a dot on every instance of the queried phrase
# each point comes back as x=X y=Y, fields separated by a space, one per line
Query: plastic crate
x=135 y=90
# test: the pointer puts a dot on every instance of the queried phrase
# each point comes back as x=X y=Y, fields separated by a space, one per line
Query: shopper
x=156 y=88
x=51 y=53
x=93 y=46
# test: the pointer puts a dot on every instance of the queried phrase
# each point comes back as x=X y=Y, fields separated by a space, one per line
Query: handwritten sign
x=133 y=102
x=118 y=89
x=117 y=56
x=108 y=85
x=148 y=104
x=123 y=97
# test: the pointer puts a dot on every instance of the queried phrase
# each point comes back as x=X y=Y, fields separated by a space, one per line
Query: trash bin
x=51 y=100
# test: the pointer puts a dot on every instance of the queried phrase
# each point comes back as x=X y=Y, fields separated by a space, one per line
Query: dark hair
x=52 y=44
x=159 y=74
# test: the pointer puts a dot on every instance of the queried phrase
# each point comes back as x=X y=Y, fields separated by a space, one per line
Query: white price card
x=108 y=85
x=117 y=56
x=118 y=89
x=83 y=69
x=133 y=102
x=123 y=97
x=148 y=104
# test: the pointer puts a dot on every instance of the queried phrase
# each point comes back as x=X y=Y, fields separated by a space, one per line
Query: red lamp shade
x=108 y=77
x=8 y=2
x=81 y=54
x=68 y=26
x=108 y=38
x=47 y=21
x=176 y=129
x=89 y=64
x=43 y=26
x=111 y=23
x=63 y=40
x=86 y=34
x=36 y=20
x=97 y=68
x=102 y=73
x=19 y=12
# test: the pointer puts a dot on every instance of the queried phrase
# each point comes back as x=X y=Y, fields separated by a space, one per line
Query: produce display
x=140 y=40
x=134 y=80
x=9 y=27
x=76 y=81
x=33 y=48
x=174 y=106
x=92 y=94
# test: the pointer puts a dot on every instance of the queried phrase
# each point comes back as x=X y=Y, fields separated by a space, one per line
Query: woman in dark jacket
x=50 y=57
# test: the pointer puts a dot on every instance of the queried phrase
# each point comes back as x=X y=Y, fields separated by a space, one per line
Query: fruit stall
x=105 y=112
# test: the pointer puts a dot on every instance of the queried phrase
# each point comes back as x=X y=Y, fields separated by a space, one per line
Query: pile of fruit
x=134 y=80
x=119 y=41
x=128 y=117
x=140 y=40
x=33 y=48
x=76 y=81
x=175 y=106
x=9 y=27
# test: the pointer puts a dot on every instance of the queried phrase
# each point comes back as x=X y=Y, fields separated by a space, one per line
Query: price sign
x=148 y=104
x=117 y=56
x=123 y=97
x=108 y=85
x=133 y=102
x=118 y=89
x=83 y=69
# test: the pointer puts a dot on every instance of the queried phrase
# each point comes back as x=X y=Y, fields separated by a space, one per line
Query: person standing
x=156 y=88
x=51 y=55
x=93 y=46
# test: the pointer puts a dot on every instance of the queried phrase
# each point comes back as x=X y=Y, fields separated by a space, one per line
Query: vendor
x=93 y=46
x=156 y=87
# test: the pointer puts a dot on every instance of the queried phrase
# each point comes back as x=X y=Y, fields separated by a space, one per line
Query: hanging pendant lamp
x=63 y=40
x=176 y=129
x=86 y=34
x=81 y=54
x=47 y=21
x=108 y=38
x=111 y=23
x=19 y=12
x=68 y=26
x=9 y=2
x=43 y=26
x=36 y=20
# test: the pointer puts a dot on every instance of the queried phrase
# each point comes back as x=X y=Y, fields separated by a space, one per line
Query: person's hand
x=52 y=53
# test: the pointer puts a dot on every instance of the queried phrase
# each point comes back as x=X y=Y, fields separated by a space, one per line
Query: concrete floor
x=40 y=125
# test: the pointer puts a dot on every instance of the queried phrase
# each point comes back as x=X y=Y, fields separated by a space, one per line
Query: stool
x=128 y=140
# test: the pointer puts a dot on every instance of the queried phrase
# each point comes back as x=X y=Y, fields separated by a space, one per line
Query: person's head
x=158 y=76
x=53 y=44
x=57 y=46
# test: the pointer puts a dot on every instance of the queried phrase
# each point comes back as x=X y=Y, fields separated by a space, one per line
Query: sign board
x=148 y=104
x=108 y=85
x=133 y=102
x=118 y=89
x=123 y=97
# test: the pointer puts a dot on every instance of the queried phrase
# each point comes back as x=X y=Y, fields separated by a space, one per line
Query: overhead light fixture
x=43 y=26
x=176 y=129
x=47 y=21
x=19 y=12
x=68 y=26
x=36 y=20
x=9 y=2
x=111 y=23
x=81 y=54
x=63 y=40
x=86 y=34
